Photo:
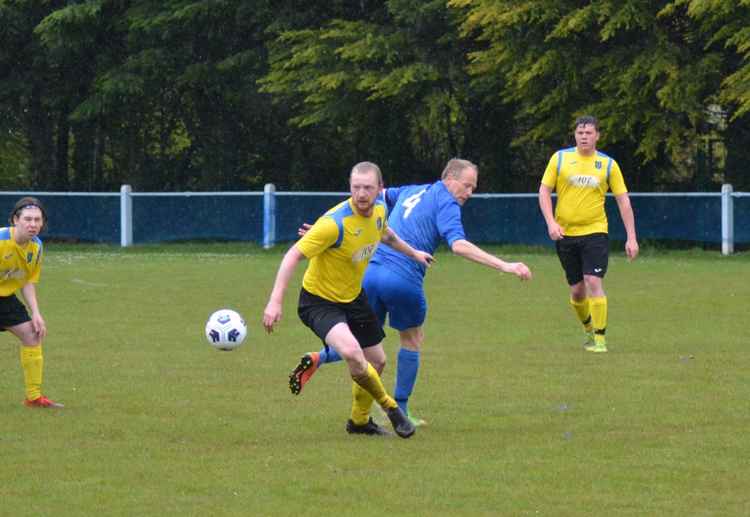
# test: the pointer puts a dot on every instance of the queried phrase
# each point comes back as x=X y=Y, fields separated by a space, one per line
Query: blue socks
x=406 y=376
x=328 y=355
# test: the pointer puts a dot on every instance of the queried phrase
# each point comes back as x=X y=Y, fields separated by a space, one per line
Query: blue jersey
x=423 y=216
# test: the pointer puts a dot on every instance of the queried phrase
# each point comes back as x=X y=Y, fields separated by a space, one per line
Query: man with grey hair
x=424 y=216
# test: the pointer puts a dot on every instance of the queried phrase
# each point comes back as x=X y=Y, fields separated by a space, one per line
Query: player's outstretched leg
x=302 y=373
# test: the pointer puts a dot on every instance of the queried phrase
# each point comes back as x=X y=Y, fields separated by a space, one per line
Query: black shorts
x=12 y=312
x=322 y=315
x=583 y=255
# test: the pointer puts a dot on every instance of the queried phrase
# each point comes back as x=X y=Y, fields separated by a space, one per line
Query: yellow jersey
x=19 y=264
x=581 y=183
x=339 y=246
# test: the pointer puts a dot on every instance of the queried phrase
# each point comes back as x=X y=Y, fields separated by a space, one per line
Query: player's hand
x=37 y=323
x=631 y=249
x=302 y=230
x=423 y=258
x=271 y=315
x=555 y=231
x=521 y=270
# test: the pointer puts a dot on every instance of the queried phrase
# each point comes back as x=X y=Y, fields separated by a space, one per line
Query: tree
x=391 y=82
x=27 y=87
x=640 y=66
x=724 y=26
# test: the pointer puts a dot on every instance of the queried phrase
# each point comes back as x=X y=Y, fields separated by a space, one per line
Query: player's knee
x=593 y=285
x=412 y=339
x=379 y=364
x=578 y=291
x=355 y=359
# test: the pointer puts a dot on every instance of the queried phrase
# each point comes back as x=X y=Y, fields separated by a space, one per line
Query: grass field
x=522 y=421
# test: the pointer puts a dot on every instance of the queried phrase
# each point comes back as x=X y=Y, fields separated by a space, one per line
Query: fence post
x=126 y=216
x=269 y=215
x=727 y=220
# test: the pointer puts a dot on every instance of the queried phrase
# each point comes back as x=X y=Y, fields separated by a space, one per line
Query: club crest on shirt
x=581 y=180
x=379 y=223
x=29 y=257
x=598 y=165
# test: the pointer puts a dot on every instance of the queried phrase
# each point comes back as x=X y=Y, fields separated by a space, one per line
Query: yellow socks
x=583 y=311
x=599 y=317
x=361 y=404
x=370 y=382
x=32 y=364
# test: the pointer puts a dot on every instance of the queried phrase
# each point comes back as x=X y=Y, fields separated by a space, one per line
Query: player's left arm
x=37 y=321
x=628 y=220
x=620 y=191
x=470 y=251
x=397 y=243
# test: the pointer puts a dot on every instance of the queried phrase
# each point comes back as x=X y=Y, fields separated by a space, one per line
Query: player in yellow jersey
x=332 y=302
x=20 y=266
x=581 y=175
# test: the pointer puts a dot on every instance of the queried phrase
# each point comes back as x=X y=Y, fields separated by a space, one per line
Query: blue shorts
x=389 y=293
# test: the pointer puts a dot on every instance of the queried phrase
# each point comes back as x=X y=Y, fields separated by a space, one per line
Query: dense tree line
x=231 y=94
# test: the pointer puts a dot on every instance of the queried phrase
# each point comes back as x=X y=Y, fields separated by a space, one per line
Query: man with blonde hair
x=332 y=302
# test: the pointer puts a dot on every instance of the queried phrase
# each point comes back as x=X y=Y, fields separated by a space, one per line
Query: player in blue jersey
x=423 y=216
x=20 y=266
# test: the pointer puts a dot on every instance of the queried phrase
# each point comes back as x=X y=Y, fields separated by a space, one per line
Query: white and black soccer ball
x=225 y=329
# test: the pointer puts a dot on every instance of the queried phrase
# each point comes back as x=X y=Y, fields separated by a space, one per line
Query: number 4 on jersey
x=412 y=201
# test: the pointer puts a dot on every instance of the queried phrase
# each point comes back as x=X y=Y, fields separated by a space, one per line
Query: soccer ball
x=225 y=329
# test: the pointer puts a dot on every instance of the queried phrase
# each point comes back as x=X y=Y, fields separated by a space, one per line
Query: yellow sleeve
x=321 y=236
x=34 y=277
x=550 y=173
x=616 y=181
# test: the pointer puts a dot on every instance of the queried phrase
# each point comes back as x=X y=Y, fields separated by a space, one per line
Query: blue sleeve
x=449 y=220
x=391 y=196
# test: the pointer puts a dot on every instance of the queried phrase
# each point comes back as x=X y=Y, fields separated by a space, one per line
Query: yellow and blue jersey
x=19 y=264
x=581 y=183
x=339 y=246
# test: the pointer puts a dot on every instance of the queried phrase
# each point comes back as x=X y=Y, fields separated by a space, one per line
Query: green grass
x=522 y=421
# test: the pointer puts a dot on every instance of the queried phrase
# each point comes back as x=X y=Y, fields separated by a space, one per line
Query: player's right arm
x=318 y=238
x=470 y=251
x=554 y=230
x=547 y=186
x=272 y=313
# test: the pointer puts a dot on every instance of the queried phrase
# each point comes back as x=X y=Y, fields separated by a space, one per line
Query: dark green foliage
x=231 y=94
